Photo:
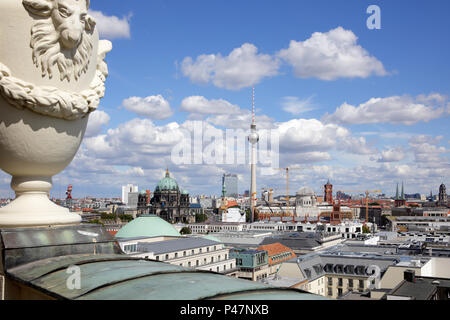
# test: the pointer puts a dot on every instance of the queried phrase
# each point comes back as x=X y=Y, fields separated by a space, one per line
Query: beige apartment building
x=197 y=253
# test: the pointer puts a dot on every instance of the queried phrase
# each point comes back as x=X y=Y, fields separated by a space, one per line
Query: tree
x=200 y=217
x=366 y=229
x=248 y=215
x=186 y=230
x=126 y=217
x=96 y=221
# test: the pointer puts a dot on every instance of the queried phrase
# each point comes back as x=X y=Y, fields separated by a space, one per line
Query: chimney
x=410 y=276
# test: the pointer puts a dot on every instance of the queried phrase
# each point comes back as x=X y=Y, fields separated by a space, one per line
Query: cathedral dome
x=305 y=191
x=167 y=184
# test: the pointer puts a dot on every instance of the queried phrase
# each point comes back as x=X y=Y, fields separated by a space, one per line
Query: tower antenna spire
x=253 y=119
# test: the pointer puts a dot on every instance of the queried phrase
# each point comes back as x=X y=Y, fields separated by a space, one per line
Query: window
x=207 y=249
x=176 y=254
x=340 y=282
x=330 y=281
x=197 y=263
x=361 y=284
x=192 y=252
x=339 y=292
x=157 y=258
x=184 y=253
x=189 y=264
x=212 y=259
x=167 y=256
x=350 y=283
x=200 y=250
x=218 y=269
x=330 y=292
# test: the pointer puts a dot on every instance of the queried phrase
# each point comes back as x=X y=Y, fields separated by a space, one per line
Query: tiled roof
x=232 y=204
x=275 y=249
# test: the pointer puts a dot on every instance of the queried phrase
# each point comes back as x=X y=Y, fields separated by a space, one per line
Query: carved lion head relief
x=61 y=36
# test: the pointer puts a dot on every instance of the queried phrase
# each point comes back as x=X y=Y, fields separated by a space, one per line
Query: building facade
x=196 y=253
x=230 y=181
x=306 y=203
x=442 y=199
x=170 y=203
x=328 y=192
x=252 y=264
x=277 y=253
x=129 y=188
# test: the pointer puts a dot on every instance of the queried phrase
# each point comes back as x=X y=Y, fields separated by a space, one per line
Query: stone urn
x=52 y=75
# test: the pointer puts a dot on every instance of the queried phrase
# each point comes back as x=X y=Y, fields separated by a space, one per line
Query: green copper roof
x=119 y=277
x=167 y=184
x=209 y=237
x=147 y=226
x=39 y=258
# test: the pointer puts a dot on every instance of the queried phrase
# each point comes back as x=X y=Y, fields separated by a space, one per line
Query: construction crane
x=367 y=200
x=287 y=180
x=287 y=184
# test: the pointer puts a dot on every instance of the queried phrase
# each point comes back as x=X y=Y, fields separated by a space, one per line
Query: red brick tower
x=328 y=192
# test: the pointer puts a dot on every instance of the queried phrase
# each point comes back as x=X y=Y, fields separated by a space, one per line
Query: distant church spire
x=396 y=194
x=224 y=191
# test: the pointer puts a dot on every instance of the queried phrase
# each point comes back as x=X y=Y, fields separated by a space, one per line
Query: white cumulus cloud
x=201 y=105
x=392 y=155
x=296 y=106
x=97 y=120
x=396 y=109
x=111 y=27
x=243 y=67
x=331 y=55
x=153 y=107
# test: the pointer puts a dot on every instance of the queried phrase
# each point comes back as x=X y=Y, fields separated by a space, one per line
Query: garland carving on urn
x=66 y=44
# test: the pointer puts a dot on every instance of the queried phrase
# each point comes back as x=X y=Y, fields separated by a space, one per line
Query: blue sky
x=369 y=108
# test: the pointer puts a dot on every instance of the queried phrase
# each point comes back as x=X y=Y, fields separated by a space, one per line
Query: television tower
x=253 y=138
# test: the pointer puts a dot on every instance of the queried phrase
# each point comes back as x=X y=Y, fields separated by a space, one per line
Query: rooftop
x=39 y=258
x=175 y=245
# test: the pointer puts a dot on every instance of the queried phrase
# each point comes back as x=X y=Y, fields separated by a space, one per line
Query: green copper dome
x=147 y=226
x=167 y=184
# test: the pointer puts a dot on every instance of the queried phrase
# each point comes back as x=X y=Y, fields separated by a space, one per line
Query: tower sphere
x=253 y=138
